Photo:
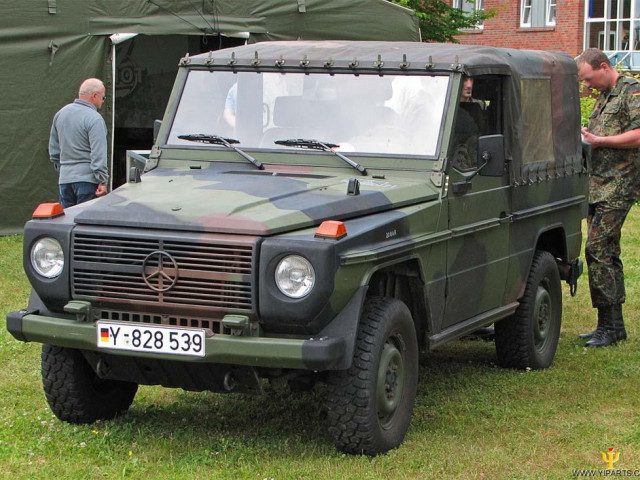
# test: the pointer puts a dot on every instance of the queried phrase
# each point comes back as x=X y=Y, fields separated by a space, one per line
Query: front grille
x=209 y=272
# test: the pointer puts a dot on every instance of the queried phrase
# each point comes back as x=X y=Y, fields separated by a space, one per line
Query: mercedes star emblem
x=159 y=271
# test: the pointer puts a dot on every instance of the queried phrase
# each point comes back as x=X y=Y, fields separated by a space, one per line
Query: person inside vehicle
x=466 y=129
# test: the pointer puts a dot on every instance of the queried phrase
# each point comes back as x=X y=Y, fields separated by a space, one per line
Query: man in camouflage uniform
x=614 y=135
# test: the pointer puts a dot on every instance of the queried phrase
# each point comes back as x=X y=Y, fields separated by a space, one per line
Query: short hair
x=91 y=85
x=594 y=57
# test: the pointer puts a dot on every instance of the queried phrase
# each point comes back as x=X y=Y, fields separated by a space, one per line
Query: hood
x=253 y=202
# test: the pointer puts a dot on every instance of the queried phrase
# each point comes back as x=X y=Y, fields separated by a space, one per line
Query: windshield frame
x=269 y=154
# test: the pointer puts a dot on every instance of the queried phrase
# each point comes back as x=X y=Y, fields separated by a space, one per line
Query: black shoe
x=610 y=327
x=618 y=323
x=587 y=336
x=602 y=338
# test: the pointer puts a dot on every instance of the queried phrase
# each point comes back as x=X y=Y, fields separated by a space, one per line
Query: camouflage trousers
x=602 y=251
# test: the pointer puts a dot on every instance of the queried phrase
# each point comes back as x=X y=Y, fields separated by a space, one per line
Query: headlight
x=47 y=257
x=295 y=276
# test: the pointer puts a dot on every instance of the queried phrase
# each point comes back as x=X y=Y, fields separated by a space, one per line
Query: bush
x=586 y=107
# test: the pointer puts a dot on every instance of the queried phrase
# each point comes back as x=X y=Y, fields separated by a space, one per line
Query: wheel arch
x=552 y=239
x=403 y=281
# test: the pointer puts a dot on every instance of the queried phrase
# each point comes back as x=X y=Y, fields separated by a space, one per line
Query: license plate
x=143 y=338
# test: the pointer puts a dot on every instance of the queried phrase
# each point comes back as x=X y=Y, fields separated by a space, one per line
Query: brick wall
x=504 y=30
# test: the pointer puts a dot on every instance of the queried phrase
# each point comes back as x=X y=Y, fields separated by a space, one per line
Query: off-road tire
x=365 y=415
x=75 y=393
x=529 y=338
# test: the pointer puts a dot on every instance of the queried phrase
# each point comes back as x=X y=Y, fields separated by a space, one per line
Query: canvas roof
x=558 y=68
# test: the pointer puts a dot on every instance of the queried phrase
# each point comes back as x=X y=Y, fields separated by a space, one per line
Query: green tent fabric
x=48 y=47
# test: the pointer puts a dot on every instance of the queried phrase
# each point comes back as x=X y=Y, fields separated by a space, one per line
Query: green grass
x=471 y=419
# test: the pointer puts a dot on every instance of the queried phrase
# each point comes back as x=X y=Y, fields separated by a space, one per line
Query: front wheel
x=370 y=405
x=529 y=338
x=75 y=393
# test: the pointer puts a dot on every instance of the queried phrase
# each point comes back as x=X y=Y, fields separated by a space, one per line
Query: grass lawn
x=471 y=419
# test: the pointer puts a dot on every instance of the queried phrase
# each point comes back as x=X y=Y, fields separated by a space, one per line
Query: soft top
x=521 y=69
x=471 y=59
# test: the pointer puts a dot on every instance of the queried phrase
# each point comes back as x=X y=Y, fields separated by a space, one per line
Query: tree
x=441 y=22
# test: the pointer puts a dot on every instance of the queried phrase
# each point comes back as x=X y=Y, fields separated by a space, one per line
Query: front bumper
x=323 y=353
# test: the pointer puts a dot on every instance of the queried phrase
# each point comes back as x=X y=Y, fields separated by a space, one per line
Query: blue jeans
x=78 y=192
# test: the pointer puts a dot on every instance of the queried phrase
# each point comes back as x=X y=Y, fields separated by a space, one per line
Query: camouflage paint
x=465 y=252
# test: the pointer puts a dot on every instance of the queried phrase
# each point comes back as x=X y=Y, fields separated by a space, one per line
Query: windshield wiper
x=218 y=140
x=324 y=146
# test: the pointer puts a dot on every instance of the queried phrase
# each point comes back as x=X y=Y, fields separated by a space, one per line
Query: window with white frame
x=551 y=12
x=537 y=13
x=469 y=6
x=525 y=13
x=614 y=27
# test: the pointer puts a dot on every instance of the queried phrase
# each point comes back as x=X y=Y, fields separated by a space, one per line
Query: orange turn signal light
x=332 y=229
x=48 y=210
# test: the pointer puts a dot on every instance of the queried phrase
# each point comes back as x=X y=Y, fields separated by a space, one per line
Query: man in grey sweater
x=78 y=146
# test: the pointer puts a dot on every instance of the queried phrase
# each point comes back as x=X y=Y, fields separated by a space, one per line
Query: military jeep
x=319 y=211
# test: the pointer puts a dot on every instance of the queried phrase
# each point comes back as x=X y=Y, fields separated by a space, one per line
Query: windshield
x=390 y=114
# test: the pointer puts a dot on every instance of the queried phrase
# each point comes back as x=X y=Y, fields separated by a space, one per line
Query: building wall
x=504 y=30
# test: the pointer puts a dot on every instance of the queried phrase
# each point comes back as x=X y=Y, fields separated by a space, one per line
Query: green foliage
x=586 y=107
x=440 y=22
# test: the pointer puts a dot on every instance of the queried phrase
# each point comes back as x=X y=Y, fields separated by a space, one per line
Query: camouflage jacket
x=615 y=172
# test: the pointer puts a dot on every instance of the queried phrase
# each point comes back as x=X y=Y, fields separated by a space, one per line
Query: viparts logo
x=610 y=457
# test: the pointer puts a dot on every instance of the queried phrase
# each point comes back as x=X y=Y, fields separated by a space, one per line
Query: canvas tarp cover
x=47 y=47
x=555 y=69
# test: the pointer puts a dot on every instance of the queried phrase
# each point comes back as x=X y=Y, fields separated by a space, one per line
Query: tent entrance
x=145 y=69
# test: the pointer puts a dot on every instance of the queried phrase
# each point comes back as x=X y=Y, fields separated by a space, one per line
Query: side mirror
x=491 y=155
x=156 y=128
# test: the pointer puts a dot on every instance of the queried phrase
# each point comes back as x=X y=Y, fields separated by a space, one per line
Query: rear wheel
x=75 y=393
x=370 y=405
x=529 y=338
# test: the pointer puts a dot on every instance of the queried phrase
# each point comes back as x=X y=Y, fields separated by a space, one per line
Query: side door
x=479 y=211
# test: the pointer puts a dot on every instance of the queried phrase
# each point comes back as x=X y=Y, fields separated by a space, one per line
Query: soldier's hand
x=101 y=190
x=589 y=137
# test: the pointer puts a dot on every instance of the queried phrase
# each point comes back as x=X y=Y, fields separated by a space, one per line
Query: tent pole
x=116 y=39
x=113 y=111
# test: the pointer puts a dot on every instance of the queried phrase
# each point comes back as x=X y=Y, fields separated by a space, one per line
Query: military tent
x=47 y=47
